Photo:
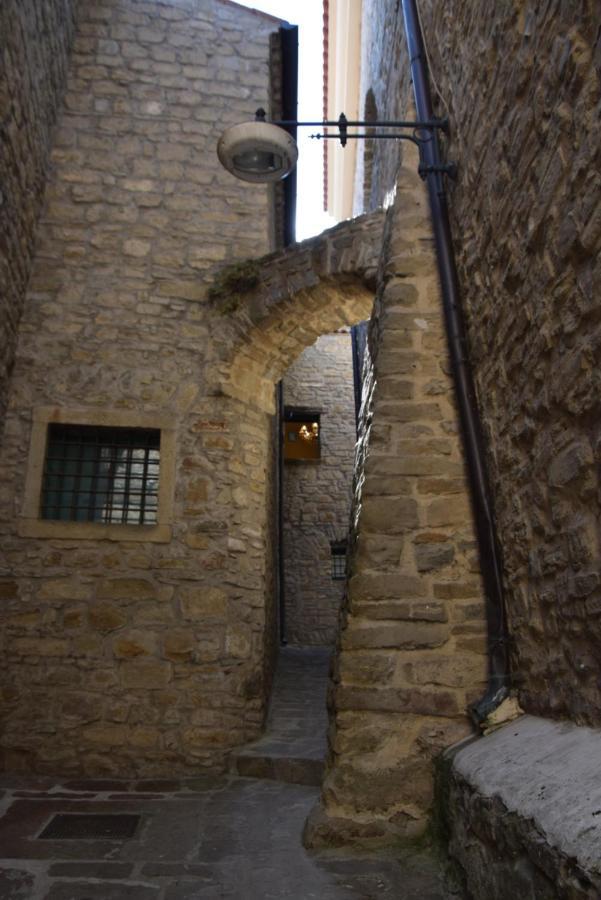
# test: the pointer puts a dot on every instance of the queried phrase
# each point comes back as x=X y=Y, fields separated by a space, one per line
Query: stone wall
x=522 y=811
x=123 y=654
x=412 y=647
x=522 y=84
x=528 y=239
x=150 y=652
x=317 y=495
x=33 y=66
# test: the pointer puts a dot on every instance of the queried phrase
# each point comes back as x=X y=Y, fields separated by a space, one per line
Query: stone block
x=452 y=511
x=106 y=617
x=154 y=612
x=42 y=647
x=412 y=465
x=74 y=618
x=397 y=700
x=202 y=738
x=199 y=604
x=87 y=645
x=390 y=586
x=457 y=590
x=433 y=556
x=570 y=464
x=143 y=737
x=133 y=643
x=63 y=589
x=400 y=636
x=182 y=290
x=106 y=735
x=433 y=611
x=126 y=589
x=363 y=667
x=447 y=671
x=179 y=646
x=238 y=641
x=20 y=621
x=150 y=675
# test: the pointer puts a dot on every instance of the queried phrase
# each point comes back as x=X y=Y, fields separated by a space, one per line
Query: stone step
x=286 y=768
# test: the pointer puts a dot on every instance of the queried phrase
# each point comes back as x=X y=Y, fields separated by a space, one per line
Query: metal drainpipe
x=281 y=569
x=289 y=42
x=498 y=667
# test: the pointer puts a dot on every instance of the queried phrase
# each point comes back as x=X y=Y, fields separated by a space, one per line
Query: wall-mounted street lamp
x=262 y=151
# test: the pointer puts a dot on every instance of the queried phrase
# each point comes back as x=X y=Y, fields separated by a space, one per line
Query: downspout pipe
x=281 y=569
x=289 y=44
x=473 y=445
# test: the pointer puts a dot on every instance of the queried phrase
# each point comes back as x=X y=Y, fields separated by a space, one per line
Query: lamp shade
x=257 y=151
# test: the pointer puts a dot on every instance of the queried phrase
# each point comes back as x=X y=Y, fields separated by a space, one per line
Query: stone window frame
x=30 y=523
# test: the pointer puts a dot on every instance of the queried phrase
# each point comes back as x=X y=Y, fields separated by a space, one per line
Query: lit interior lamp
x=309 y=435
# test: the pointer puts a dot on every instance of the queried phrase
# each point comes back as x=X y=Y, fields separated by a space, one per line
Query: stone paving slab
x=237 y=838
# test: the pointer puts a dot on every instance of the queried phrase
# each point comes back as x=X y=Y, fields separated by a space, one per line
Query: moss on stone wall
x=233 y=283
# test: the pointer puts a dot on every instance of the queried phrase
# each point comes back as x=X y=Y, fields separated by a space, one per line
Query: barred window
x=100 y=474
x=338 y=556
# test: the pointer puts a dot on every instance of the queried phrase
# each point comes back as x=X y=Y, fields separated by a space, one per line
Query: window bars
x=100 y=474
x=338 y=558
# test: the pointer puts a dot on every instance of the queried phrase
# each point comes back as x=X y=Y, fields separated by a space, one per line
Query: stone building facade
x=107 y=629
x=521 y=84
x=150 y=650
x=317 y=493
x=147 y=648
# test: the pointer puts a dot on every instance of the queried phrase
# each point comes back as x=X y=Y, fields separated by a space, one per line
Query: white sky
x=308 y=15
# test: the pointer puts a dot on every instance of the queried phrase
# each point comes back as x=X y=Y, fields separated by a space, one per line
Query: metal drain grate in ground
x=83 y=826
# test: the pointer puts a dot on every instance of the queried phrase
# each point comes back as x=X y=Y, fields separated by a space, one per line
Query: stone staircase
x=293 y=747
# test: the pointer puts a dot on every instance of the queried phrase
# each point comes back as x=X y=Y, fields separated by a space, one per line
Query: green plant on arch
x=232 y=283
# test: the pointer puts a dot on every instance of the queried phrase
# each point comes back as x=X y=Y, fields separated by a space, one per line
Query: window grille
x=338 y=557
x=99 y=474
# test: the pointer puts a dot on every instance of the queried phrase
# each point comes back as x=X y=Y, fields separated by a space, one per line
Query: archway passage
x=268 y=312
x=411 y=652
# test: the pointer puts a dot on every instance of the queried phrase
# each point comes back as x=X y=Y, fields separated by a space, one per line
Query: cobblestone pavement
x=199 y=838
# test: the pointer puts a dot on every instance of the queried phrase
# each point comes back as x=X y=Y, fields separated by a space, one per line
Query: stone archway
x=264 y=314
x=301 y=292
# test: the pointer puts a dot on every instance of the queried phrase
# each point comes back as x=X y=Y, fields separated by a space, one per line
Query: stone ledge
x=524 y=810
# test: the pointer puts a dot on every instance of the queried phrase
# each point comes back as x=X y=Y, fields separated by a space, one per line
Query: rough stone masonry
x=131 y=651
x=36 y=39
x=317 y=494
x=119 y=653
x=521 y=83
x=412 y=645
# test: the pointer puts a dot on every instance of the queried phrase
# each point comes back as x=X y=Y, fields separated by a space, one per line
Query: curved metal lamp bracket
x=342 y=124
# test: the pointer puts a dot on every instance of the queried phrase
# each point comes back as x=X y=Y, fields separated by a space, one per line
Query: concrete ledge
x=524 y=811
